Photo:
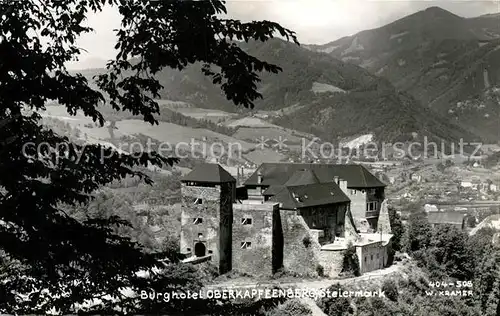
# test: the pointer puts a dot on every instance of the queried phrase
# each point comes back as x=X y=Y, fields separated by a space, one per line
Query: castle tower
x=208 y=193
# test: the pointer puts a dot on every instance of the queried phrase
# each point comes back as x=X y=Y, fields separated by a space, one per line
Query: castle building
x=296 y=217
x=208 y=193
x=364 y=190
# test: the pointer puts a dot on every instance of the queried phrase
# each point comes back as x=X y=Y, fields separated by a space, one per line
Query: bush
x=290 y=308
x=398 y=229
x=320 y=270
x=336 y=305
x=351 y=261
x=390 y=290
x=208 y=271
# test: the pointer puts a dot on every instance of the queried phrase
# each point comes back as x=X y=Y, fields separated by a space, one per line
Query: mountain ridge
x=332 y=99
x=457 y=62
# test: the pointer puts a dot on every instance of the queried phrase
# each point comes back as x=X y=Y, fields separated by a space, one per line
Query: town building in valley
x=296 y=217
x=453 y=218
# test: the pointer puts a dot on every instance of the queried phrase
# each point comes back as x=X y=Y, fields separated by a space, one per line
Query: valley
x=403 y=82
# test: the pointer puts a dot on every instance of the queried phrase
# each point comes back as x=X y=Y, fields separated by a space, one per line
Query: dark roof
x=357 y=176
x=208 y=173
x=455 y=218
x=302 y=177
x=273 y=189
x=300 y=196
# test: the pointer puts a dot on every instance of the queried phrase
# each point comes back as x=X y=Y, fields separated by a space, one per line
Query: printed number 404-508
x=457 y=284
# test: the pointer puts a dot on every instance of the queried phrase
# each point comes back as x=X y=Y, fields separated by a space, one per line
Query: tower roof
x=208 y=173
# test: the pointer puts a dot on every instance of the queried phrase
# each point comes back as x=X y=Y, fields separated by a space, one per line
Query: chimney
x=343 y=185
x=259 y=177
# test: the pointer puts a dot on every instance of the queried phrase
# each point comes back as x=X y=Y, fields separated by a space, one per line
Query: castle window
x=246 y=221
x=246 y=245
x=353 y=192
x=371 y=206
x=377 y=255
x=365 y=258
x=197 y=220
x=198 y=201
x=371 y=257
x=188 y=249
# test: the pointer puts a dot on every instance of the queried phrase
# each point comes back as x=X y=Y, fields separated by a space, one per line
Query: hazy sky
x=315 y=21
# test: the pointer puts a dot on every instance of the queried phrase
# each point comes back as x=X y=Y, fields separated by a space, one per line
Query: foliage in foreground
x=350 y=263
x=442 y=254
x=56 y=261
x=290 y=308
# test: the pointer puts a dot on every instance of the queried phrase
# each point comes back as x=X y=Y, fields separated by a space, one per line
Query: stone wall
x=384 y=223
x=300 y=249
x=386 y=252
x=342 y=210
x=253 y=238
x=329 y=219
x=278 y=241
x=350 y=232
x=228 y=196
x=331 y=261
